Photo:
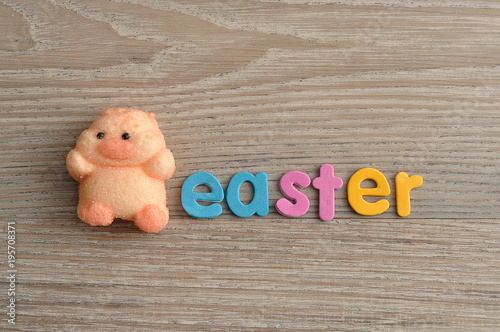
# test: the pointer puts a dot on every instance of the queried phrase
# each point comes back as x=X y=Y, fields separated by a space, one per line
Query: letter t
x=326 y=183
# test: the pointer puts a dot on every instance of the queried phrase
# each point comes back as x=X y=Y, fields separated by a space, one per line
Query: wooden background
x=255 y=86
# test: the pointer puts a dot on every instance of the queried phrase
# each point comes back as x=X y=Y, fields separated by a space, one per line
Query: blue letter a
x=260 y=202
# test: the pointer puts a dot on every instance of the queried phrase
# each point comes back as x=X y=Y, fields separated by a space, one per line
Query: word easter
x=297 y=203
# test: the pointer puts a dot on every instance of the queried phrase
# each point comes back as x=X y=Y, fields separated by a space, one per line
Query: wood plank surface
x=257 y=86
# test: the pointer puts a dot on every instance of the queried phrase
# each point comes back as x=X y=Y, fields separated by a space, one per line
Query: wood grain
x=258 y=86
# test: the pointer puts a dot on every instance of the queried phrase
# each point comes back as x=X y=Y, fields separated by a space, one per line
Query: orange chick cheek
x=114 y=148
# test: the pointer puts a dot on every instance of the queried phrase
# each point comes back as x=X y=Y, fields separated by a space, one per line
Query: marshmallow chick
x=121 y=163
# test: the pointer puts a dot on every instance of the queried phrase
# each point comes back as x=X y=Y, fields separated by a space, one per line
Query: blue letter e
x=260 y=202
x=189 y=197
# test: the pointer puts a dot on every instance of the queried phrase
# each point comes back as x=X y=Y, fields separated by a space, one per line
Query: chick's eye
x=126 y=136
x=100 y=135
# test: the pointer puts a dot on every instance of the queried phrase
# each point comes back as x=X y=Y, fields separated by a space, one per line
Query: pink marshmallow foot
x=151 y=218
x=97 y=214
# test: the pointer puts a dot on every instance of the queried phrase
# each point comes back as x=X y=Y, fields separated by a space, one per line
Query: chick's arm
x=161 y=166
x=78 y=166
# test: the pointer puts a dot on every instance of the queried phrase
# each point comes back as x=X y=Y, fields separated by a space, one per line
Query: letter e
x=355 y=193
x=189 y=198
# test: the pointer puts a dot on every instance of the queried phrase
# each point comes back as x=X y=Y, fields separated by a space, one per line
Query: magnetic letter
x=260 y=202
x=284 y=206
x=355 y=193
x=404 y=184
x=189 y=198
x=326 y=183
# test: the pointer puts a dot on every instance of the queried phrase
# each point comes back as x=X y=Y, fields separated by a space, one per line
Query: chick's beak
x=115 y=148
